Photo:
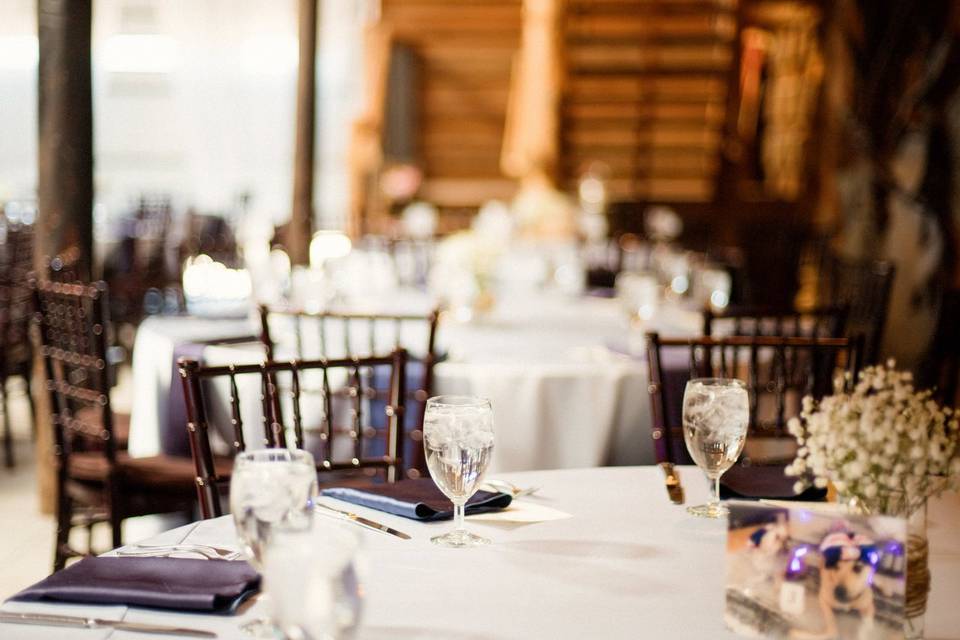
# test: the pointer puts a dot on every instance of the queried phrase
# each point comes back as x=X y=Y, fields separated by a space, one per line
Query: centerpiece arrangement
x=886 y=448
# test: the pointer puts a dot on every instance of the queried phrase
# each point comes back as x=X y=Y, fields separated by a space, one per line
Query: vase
x=917 y=580
x=917 y=585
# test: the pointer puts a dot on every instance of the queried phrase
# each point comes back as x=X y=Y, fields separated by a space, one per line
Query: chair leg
x=27 y=378
x=7 y=432
x=64 y=514
x=116 y=515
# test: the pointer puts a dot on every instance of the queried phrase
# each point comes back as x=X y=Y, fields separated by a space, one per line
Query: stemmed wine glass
x=715 y=417
x=270 y=489
x=458 y=442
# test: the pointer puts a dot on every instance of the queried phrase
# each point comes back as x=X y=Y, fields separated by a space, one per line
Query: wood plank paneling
x=646 y=89
x=466 y=50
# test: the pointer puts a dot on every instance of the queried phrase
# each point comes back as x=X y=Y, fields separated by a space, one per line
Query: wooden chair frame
x=417 y=465
x=733 y=354
x=73 y=324
x=274 y=431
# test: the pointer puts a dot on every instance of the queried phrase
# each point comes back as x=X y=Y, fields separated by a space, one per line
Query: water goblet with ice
x=716 y=412
x=458 y=442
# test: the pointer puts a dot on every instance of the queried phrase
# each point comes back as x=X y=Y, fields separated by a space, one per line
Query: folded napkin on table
x=764 y=481
x=168 y=583
x=417 y=499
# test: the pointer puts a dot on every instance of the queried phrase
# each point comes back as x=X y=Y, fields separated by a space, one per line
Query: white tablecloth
x=564 y=393
x=628 y=564
x=153 y=351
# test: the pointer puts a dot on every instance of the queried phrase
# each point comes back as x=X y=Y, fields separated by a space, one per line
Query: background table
x=628 y=564
x=566 y=391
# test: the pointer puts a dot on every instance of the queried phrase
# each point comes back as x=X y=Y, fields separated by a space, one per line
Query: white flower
x=877 y=437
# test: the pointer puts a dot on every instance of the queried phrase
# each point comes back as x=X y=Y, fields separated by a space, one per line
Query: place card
x=809 y=571
x=522 y=512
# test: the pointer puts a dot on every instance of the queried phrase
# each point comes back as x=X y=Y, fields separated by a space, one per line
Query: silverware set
x=210 y=552
x=503 y=486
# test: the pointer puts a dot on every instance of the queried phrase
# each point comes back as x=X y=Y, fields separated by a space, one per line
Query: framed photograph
x=814 y=572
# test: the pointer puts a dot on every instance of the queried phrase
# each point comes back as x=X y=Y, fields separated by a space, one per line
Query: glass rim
x=719 y=382
x=453 y=400
x=263 y=456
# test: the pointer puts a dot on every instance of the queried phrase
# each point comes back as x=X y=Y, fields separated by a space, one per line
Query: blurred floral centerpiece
x=883 y=444
x=465 y=262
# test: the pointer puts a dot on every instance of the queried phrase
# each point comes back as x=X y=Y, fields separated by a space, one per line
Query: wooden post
x=531 y=134
x=299 y=230
x=65 y=146
x=64 y=172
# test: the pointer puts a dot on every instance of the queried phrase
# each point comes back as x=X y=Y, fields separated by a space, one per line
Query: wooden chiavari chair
x=96 y=482
x=362 y=455
x=335 y=335
x=822 y=322
x=864 y=288
x=16 y=354
x=777 y=371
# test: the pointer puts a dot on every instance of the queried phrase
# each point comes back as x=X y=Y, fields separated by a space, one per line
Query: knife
x=100 y=623
x=364 y=522
x=672 y=480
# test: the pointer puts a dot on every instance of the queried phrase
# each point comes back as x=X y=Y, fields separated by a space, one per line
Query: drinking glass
x=312 y=580
x=715 y=416
x=270 y=489
x=458 y=442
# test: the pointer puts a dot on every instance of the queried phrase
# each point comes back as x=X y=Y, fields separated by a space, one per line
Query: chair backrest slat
x=298 y=330
x=326 y=432
x=236 y=419
x=356 y=428
x=295 y=397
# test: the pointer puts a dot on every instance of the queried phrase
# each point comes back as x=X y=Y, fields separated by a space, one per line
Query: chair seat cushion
x=153 y=472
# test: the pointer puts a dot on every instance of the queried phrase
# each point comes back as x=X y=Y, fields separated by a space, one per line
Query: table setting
x=625 y=549
x=563 y=553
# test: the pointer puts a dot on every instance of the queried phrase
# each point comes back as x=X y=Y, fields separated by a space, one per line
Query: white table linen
x=564 y=393
x=628 y=564
x=153 y=350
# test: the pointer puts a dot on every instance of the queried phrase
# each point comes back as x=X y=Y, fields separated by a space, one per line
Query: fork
x=508 y=487
x=158 y=550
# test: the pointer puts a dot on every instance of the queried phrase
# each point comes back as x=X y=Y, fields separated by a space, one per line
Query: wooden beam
x=300 y=229
x=65 y=146
x=64 y=175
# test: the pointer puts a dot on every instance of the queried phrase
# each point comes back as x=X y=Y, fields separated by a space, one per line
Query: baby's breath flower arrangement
x=884 y=443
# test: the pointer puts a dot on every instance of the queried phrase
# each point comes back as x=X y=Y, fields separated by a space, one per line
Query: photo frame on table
x=812 y=572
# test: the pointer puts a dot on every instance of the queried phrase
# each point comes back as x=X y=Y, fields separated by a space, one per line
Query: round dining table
x=626 y=563
x=565 y=374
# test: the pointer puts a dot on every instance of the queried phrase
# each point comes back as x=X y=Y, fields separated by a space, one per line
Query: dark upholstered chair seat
x=156 y=472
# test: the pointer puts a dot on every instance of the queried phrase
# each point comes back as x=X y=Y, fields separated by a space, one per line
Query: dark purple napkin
x=183 y=584
x=417 y=499
x=764 y=481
